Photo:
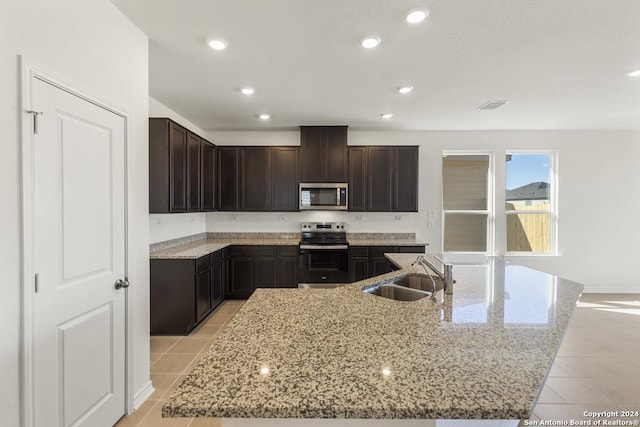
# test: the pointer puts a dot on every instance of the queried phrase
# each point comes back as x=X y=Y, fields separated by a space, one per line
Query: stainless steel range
x=324 y=253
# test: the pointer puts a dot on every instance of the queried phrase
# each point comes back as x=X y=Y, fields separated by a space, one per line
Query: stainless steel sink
x=411 y=287
x=395 y=292
x=421 y=282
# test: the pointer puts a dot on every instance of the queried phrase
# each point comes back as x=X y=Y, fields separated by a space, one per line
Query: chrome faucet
x=446 y=276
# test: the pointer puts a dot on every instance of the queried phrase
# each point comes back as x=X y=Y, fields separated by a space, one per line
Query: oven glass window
x=327 y=260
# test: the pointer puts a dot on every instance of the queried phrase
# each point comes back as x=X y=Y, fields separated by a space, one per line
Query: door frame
x=29 y=71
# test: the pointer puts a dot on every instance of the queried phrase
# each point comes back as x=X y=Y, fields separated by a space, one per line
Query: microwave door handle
x=337 y=196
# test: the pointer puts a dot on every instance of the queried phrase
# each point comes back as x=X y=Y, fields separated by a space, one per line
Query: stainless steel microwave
x=323 y=197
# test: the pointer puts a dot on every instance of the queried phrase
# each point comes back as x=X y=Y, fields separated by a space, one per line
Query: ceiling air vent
x=492 y=105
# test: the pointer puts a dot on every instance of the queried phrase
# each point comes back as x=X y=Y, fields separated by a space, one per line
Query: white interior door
x=78 y=255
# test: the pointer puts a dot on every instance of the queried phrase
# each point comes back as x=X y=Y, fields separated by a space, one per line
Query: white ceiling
x=561 y=63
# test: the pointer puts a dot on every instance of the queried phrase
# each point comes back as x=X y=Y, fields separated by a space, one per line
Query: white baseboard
x=141 y=396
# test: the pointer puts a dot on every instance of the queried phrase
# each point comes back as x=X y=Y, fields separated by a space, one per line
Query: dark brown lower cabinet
x=287 y=267
x=184 y=291
x=369 y=261
x=252 y=267
x=358 y=263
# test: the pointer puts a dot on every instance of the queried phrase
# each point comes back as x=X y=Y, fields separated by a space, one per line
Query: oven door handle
x=325 y=247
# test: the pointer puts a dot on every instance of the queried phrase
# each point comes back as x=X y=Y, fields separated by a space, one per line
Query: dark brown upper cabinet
x=285 y=176
x=358 y=178
x=323 y=153
x=208 y=178
x=167 y=166
x=254 y=184
x=405 y=179
x=179 y=179
x=379 y=175
x=194 y=172
x=258 y=178
x=227 y=179
x=383 y=179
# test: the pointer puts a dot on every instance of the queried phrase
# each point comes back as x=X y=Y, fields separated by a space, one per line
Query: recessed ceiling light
x=217 y=44
x=370 y=41
x=248 y=91
x=415 y=16
x=635 y=73
x=405 y=89
x=386 y=116
x=264 y=370
x=264 y=116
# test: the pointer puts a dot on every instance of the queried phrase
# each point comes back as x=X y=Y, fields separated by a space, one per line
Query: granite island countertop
x=482 y=353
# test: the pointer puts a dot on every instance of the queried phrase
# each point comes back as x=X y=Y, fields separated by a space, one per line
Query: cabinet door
x=405 y=179
x=241 y=278
x=177 y=168
x=284 y=178
x=172 y=296
x=337 y=153
x=358 y=269
x=225 y=273
x=203 y=295
x=380 y=266
x=287 y=272
x=194 y=166
x=264 y=272
x=227 y=179
x=379 y=179
x=159 y=175
x=207 y=186
x=312 y=154
x=217 y=294
x=357 y=178
x=255 y=179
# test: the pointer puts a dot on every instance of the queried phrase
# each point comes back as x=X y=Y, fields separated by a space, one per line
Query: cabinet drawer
x=253 y=251
x=287 y=250
x=411 y=249
x=358 y=251
x=379 y=251
x=203 y=263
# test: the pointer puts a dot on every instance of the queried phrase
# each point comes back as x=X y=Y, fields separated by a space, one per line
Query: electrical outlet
x=359 y=217
x=398 y=218
x=157 y=221
x=431 y=212
x=429 y=223
x=282 y=217
x=233 y=217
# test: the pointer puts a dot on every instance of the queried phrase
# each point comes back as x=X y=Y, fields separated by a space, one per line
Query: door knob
x=121 y=284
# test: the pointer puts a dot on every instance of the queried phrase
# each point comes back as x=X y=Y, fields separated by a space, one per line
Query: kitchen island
x=481 y=353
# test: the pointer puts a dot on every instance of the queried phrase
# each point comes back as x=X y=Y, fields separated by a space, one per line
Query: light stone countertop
x=203 y=247
x=481 y=353
x=200 y=248
x=385 y=242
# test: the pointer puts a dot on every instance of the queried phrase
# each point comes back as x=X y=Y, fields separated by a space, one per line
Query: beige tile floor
x=596 y=369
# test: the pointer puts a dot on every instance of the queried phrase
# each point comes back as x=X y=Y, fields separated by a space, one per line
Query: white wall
x=597 y=239
x=90 y=44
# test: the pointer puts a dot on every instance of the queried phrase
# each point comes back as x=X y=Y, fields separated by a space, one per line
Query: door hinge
x=35 y=115
x=37 y=282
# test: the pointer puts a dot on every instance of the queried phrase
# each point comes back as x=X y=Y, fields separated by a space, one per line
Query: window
x=467 y=201
x=530 y=203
